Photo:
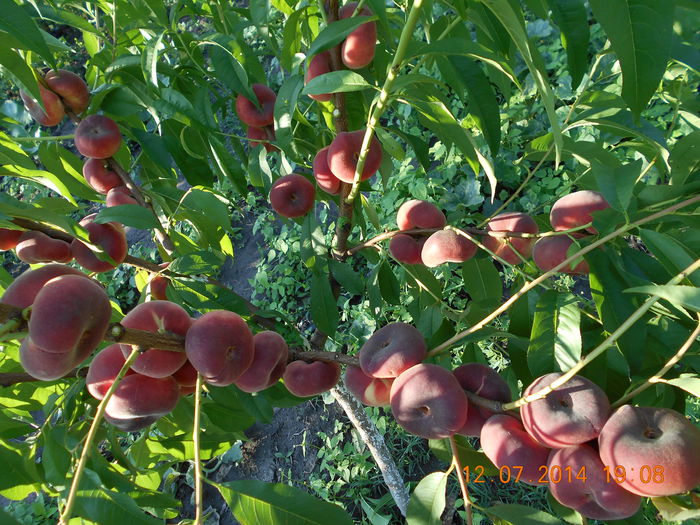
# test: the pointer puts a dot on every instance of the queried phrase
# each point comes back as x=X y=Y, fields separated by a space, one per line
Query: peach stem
x=198 y=500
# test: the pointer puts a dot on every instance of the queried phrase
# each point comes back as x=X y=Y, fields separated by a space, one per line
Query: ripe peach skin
x=269 y=361
x=97 y=137
x=70 y=87
x=69 y=312
x=406 y=249
x=154 y=316
x=220 y=346
x=447 y=246
x=185 y=376
x=23 y=290
x=575 y=209
x=308 y=379
x=252 y=116
x=292 y=196
x=159 y=284
x=35 y=247
x=391 y=350
x=511 y=222
x=323 y=174
x=99 y=177
x=506 y=443
x=109 y=236
x=119 y=196
x=419 y=214
x=548 y=252
x=573 y=413
x=359 y=46
x=427 y=401
x=344 y=152
x=641 y=438
x=103 y=369
x=52 y=114
x=9 y=238
x=48 y=366
x=318 y=65
x=369 y=390
x=598 y=497
x=485 y=382
x=142 y=396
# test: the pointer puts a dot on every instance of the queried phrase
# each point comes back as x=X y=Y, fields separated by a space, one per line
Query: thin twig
x=87 y=446
x=657 y=378
x=198 y=496
x=460 y=477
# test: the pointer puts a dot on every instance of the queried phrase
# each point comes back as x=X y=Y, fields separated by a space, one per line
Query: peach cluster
x=356 y=52
x=571 y=211
x=595 y=462
x=260 y=119
x=70 y=314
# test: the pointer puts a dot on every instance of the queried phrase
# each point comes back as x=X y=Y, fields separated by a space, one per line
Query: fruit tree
x=475 y=224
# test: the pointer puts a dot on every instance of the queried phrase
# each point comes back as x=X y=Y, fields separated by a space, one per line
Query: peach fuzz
x=427 y=401
x=511 y=222
x=97 y=137
x=572 y=414
x=220 y=346
x=506 y=443
x=154 y=316
x=344 y=152
x=309 y=379
x=447 y=246
x=251 y=115
x=391 y=350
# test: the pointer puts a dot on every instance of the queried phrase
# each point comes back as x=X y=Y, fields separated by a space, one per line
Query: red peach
x=511 y=222
x=406 y=249
x=104 y=368
x=141 y=396
x=35 y=247
x=359 y=46
x=419 y=214
x=119 y=196
x=447 y=246
x=344 y=152
x=308 y=379
x=53 y=111
x=252 y=116
x=70 y=87
x=485 y=382
x=99 y=177
x=323 y=174
x=269 y=362
x=369 y=390
x=9 y=238
x=549 y=252
x=292 y=196
x=391 y=350
x=97 y=137
x=427 y=401
x=575 y=210
x=319 y=65
x=109 y=236
x=23 y=290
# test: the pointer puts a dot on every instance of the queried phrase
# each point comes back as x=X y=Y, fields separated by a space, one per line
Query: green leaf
x=228 y=69
x=670 y=252
x=388 y=284
x=522 y=515
x=335 y=32
x=129 y=215
x=108 y=507
x=483 y=105
x=285 y=105
x=482 y=281
x=685 y=158
x=555 y=340
x=324 y=308
x=640 y=32
x=336 y=82
x=17 y=69
x=18 y=477
x=42 y=177
x=8 y=519
x=16 y=21
x=515 y=26
x=291 y=38
x=477 y=462
x=227 y=165
x=687 y=296
x=616 y=183
x=348 y=278
x=676 y=510
x=427 y=501
x=572 y=19
x=438 y=118
x=256 y=502
x=688 y=382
